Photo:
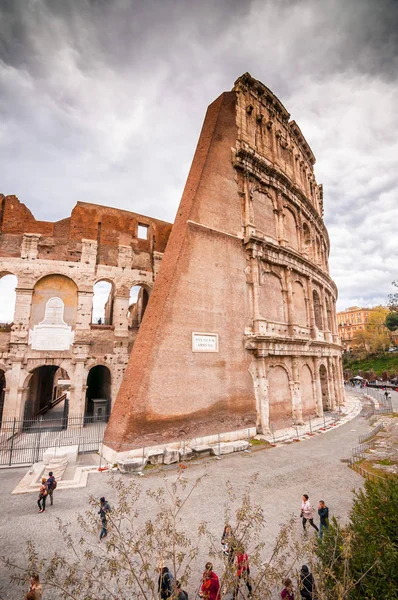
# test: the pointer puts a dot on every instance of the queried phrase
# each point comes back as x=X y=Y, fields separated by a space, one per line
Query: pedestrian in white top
x=307 y=513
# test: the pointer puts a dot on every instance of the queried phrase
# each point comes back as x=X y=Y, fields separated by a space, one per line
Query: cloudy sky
x=103 y=100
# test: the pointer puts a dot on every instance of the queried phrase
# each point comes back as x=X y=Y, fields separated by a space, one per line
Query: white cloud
x=103 y=102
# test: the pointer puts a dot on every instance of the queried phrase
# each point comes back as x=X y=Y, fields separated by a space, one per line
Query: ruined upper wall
x=63 y=240
x=264 y=129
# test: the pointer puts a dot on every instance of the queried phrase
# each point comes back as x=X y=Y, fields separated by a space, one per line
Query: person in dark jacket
x=165 y=582
x=307 y=585
x=51 y=486
x=103 y=513
x=323 y=513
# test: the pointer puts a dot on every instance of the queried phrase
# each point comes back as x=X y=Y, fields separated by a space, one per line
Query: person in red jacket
x=210 y=588
x=243 y=571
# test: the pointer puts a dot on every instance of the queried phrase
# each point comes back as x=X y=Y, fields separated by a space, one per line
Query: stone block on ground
x=155 y=457
x=202 y=451
x=170 y=456
x=241 y=445
x=223 y=448
x=131 y=465
x=186 y=453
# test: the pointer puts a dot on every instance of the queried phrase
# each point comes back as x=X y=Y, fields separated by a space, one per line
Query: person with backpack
x=41 y=501
x=179 y=593
x=51 y=485
x=103 y=511
x=307 y=584
x=165 y=582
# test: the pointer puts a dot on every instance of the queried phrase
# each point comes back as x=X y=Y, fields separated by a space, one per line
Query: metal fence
x=23 y=442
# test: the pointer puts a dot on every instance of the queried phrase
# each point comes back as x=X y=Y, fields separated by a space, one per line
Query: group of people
x=47 y=488
x=307 y=514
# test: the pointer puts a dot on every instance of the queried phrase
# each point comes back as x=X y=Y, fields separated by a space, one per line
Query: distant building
x=349 y=321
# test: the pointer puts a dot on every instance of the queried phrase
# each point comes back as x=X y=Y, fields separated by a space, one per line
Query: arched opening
x=138 y=302
x=306 y=391
x=271 y=303
x=264 y=214
x=299 y=304
x=2 y=393
x=102 y=303
x=8 y=283
x=306 y=240
x=280 y=402
x=98 y=394
x=317 y=310
x=47 y=394
x=323 y=376
x=291 y=229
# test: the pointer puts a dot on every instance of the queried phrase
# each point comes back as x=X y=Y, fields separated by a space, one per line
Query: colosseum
x=240 y=324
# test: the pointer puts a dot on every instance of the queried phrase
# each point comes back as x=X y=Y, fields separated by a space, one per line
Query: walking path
x=313 y=466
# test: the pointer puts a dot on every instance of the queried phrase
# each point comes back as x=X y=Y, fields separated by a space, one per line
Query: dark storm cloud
x=103 y=101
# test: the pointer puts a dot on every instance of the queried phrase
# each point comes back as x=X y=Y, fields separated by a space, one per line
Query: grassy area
x=377 y=363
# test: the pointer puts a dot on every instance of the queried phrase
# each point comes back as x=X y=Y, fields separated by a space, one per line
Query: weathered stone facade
x=245 y=275
x=57 y=266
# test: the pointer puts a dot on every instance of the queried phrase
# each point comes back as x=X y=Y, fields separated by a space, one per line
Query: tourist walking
x=323 y=513
x=35 y=587
x=287 y=592
x=43 y=491
x=210 y=588
x=179 y=593
x=243 y=572
x=307 y=585
x=51 y=485
x=228 y=543
x=307 y=513
x=103 y=513
x=165 y=582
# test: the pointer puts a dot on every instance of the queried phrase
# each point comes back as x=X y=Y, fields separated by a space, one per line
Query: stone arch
x=103 y=299
x=317 y=309
x=54 y=286
x=271 y=300
x=98 y=393
x=299 y=304
x=8 y=284
x=280 y=398
x=43 y=391
x=307 y=390
x=323 y=376
x=290 y=229
x=307 y=240
x=264 y=213
x=138 y=302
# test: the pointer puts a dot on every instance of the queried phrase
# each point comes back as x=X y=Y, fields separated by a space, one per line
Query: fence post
x=273 y=433
x=310 y=424
x=12 y=442
x=38 y=440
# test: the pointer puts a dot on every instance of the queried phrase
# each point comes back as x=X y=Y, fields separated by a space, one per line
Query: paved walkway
x=287 y=471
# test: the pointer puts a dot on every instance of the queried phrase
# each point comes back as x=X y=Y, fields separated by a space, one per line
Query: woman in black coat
x=307 y=587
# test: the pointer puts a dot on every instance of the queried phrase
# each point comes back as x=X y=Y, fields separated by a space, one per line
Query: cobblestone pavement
x=286 y=472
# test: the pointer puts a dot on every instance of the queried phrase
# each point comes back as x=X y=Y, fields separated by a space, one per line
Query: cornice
x=291 y=260
x=249 y=161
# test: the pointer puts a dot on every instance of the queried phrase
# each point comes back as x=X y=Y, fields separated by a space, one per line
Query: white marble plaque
x=52 y=333
x=204 y=342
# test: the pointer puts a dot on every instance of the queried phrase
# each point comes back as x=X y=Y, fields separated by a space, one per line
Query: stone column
x=311 y=309
x=23 y=305
x=257 y=370
x=332 y=384
x=297 y=408
x=328 y=335
x=120 y=315
x=289 y=298
x=84 y=309
x=13 y=405
x=77 y=400
x=318 y=389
